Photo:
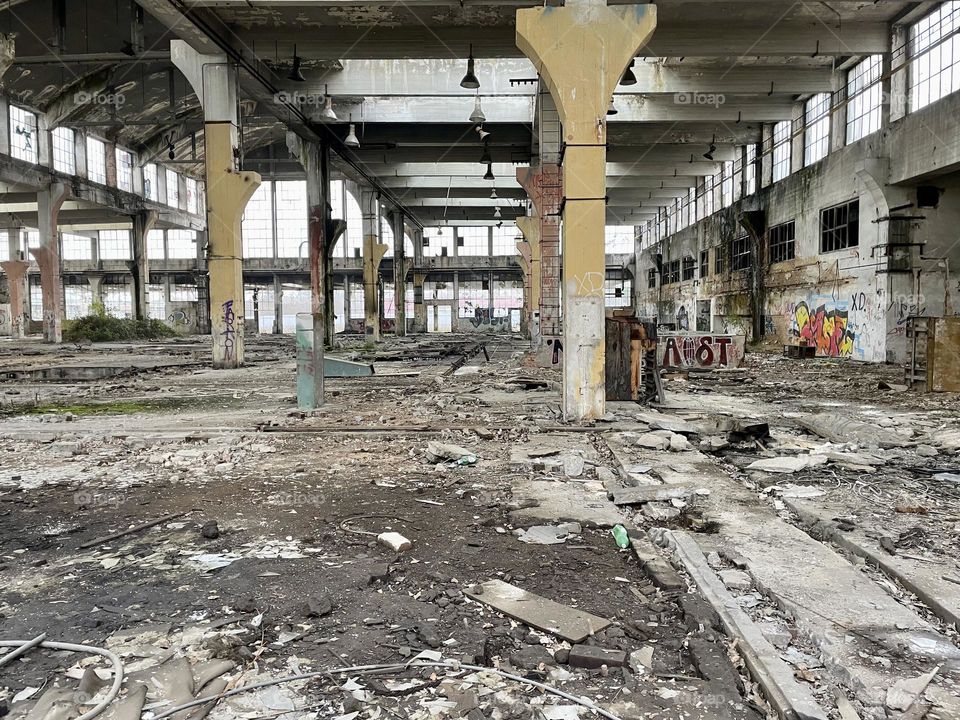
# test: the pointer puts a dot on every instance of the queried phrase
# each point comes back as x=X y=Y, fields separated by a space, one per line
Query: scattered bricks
x=656 y=568
x=592 y=657
x=712 y=663
x=699 y=615
x=531 y=657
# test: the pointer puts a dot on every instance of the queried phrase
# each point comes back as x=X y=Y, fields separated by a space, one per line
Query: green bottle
x=620 y=535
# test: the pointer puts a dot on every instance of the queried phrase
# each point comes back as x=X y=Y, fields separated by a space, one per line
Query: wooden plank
x=538 y=612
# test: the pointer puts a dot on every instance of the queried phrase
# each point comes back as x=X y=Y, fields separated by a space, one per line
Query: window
x=652 y=278
x=750 y=171
x=740 y=254
x=354 y=236
x=124 y=170
x=64 y=150
x=840 y=226
x=77 y=300
x=182 y=244
x=155 y=249
x=114 y=245
x=505 y=239
x=117 y=300
x=23 y=134
x=704 y=263
x=473 y=241
x=781 y=150
x=816 y=136
x=173 y=188
x=184 y=293
x=689 y=268
x=934 y=48
x=783 y=242
x=150 y=182
x=292 y=218
x=192 y=198
x=618 y=239
x=673 y=272
x=719 y=260
x=256 y=227
x=726 y=184
x=96 y=161
x=76 y=247
x=616 y=289
x=438 y=242
x=864 y=93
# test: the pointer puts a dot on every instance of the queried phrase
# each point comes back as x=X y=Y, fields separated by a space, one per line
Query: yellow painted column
x=581 y=50
x=227 y=194
x=373 y=252
x=529 y=249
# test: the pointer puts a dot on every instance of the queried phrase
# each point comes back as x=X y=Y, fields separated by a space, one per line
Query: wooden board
x=536 y=611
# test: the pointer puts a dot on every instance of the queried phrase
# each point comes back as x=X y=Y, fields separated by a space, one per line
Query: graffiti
x=589 y=284
x=683 y=321
x=706 y=351
x=178 y=317
x=858 y=301
x=229 y=330
x=827 y=330
x=906 y=307
x=557 y=350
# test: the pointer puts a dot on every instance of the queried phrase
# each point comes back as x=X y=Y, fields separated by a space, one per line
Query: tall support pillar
x=335 y=230
x=143 y=223
x=214 y=81
x=581 y=50
x=529 y=249
x=373 y=251
x=49 y=202
x=16 y=272
x=401 y=266
x=419 y=306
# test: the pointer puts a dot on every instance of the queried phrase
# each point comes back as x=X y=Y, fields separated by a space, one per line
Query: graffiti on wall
x=706 y=351
x=683 y=320
x=229 y=330
x=827 y=329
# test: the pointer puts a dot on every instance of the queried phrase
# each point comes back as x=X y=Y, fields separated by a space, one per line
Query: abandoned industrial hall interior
x=479 y=359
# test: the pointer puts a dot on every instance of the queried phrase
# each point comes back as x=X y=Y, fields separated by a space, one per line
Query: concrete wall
x=850 y=303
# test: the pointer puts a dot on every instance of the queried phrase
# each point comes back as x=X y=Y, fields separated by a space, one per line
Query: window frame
x=843 y=231
x=782 y=242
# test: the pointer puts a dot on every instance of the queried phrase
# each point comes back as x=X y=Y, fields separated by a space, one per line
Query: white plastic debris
x=395 y=541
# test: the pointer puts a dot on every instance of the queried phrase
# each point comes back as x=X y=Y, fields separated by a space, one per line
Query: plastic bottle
x=619 y=533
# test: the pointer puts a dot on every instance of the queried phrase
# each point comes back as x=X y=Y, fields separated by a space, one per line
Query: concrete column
x=5 y=124
x=143 y=223
x=110 y=149
x=80 y=152
x=581 y=50
x=277 y=306
x=16 y=272
x=419 y=307
x=765 y=176
x=401 y=266
x=96 y=288
x=214 y=81
x=49 y=202
x=529 y=249
x=896 y=101
x=335 y=230
x=373 y=251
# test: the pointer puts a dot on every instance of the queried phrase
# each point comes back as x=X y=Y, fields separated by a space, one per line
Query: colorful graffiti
x=826 y=329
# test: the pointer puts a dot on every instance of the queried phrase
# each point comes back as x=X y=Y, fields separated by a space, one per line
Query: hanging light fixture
x=713 y=148
x=628 y=77
x=493 y=194
x=477 y=115
x=612 y=110
x=488 y=175
x=352 y=140
x=485 y=157
x=295 y=74
x=470 y=79
x=327 y=113
x=482 y=133
x=496 y=213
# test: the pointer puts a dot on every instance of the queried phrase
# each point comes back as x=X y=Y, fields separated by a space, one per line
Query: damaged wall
x=852 y=302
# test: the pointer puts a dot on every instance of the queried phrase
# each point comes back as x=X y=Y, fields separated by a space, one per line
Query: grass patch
x=100 y=327
x=121 y=407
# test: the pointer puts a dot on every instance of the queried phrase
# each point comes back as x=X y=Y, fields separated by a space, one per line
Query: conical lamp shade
x=496 y=213
x=351 y=140
x=612 y=110
x=628 y=77
x=470 y=79
x=489 y=174
x=328 y=113
x=477 y=115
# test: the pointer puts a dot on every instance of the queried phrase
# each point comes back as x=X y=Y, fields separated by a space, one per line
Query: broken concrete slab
x=645 y=494
x=563 y=621
x=787 y=463
x=843 y=429
x=593 y=656
x=550 y=501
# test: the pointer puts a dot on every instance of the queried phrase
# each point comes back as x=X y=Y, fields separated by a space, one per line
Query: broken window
x=438 y=242
x=124 y=170
x=689 y=268
x=474 y=299
x=704 y=263
x=673 y=272
x=64 y=150
x=652 y=278
x=782 y=242
x=77 y=300
x=23 y=134
x=150 y=182
x=840 y=226
x=173 y=188
x=720 y=259
x=616 y=289
x=193 y=199
x=96 y=160
x=117 y=299
x=156 y=303
x=740 y=254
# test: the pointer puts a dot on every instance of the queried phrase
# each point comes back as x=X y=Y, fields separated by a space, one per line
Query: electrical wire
x=447 y=664
x=72 y=647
